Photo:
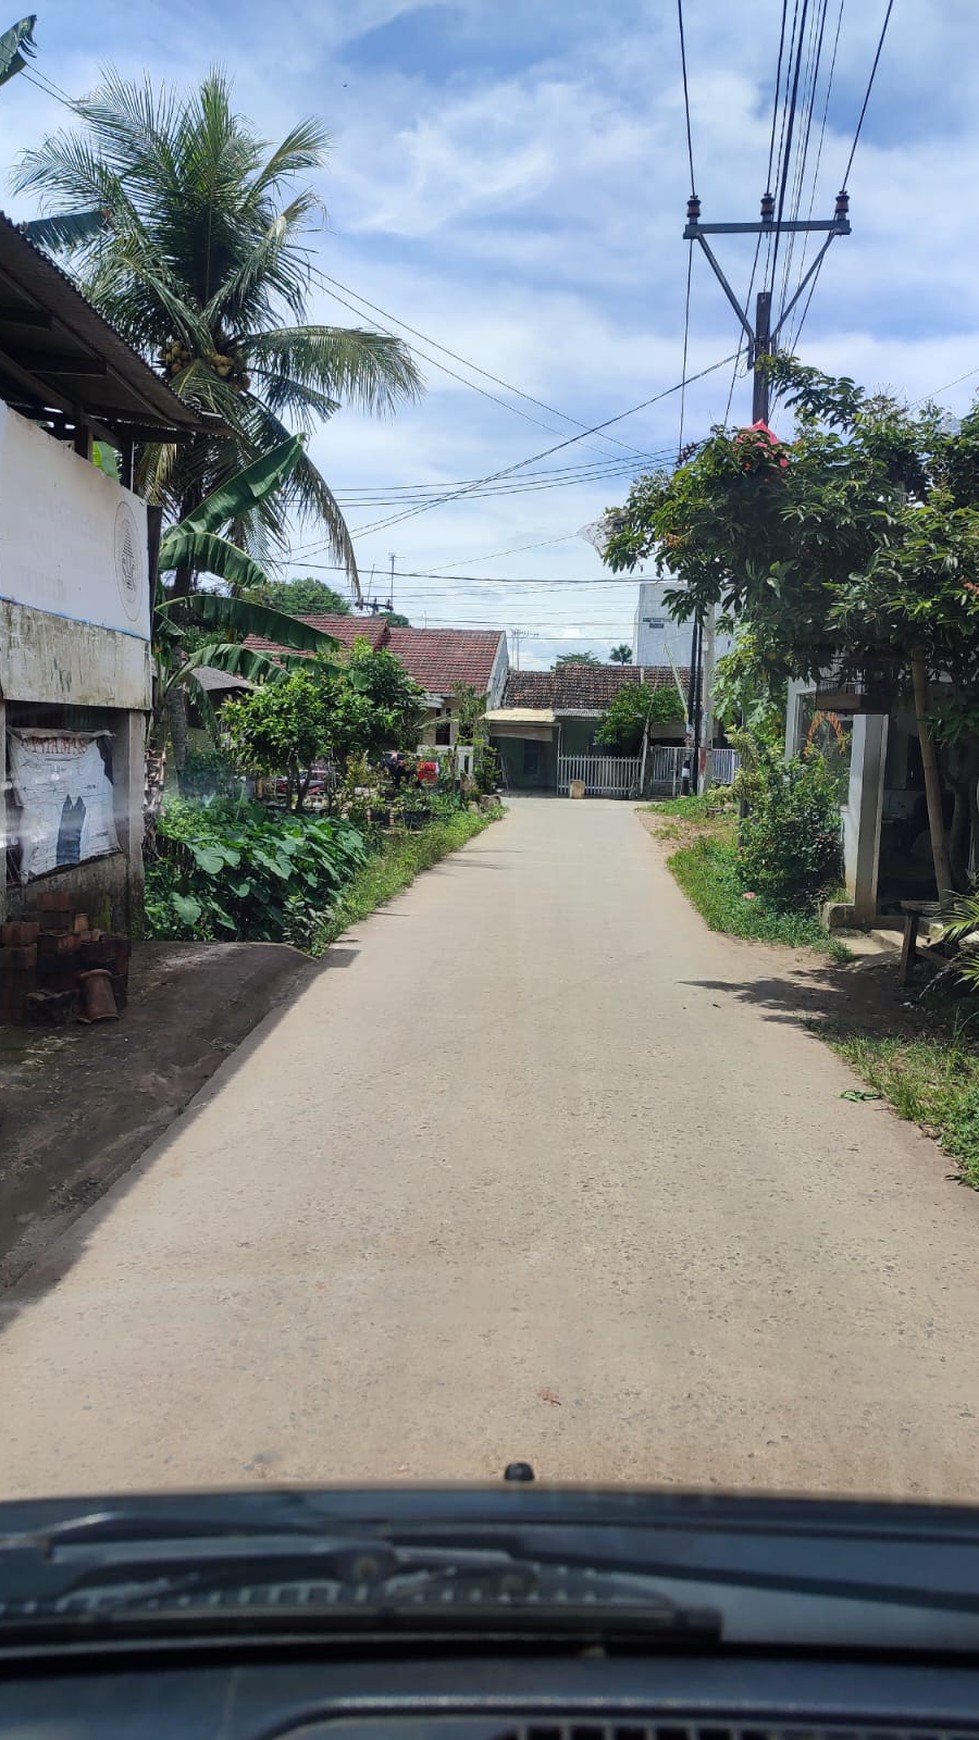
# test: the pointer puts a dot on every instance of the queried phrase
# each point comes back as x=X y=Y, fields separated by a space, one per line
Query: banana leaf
x=17 y=45
x=240 y=617
x=242 y=492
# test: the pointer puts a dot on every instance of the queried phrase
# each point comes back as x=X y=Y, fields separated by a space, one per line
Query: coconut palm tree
x=621 y=655
x=201 y=260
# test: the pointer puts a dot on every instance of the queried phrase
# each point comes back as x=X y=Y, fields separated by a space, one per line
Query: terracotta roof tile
x=575 y=687
x=438 y=658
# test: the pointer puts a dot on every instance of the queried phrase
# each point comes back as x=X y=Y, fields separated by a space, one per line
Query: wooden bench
x=914 y=911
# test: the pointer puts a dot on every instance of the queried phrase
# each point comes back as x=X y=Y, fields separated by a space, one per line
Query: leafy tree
x=307 y=597
x=336 y=708
x=854 y=546
x=282 y=728
x=375 y=705
x=576 y=658
x=17 y=46
x=621 y=655
x=394 y=619
x=634 y=712
x=198 y=255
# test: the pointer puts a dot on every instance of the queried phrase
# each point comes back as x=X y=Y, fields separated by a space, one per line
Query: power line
x=686 y=343
x=787 y=136
x=570 y=441
x=495 y=579
x=866 y=100
x=815 y=181
x=326 y=279
x=686 y=93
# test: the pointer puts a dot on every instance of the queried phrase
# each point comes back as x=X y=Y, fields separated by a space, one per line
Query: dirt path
x=546 y=1171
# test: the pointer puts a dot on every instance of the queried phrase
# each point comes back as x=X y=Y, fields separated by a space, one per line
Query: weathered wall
x=100 y=887
x=49 y=658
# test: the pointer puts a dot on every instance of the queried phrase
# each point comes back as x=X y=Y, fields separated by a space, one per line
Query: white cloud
x=516 y=189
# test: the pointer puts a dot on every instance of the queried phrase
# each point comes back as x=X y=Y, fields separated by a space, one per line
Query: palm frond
x=372 y=370
x=305 y=146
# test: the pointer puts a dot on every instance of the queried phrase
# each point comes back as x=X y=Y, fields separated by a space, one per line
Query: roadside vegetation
x=931 y=1079
x=762 y=878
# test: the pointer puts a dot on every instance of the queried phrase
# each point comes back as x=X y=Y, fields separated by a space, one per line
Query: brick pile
x=45 y=958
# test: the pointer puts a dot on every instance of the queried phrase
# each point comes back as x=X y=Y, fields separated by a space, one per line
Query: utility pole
x=516 y=633
x=762 y=337
x=762 y=343
x=391 y=593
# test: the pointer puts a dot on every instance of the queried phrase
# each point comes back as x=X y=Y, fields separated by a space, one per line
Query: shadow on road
x=863 y=997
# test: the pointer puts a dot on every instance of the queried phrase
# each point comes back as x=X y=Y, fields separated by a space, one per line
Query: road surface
x=536 y=1167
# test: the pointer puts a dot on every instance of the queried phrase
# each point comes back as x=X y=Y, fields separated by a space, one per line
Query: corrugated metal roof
x=57 y=351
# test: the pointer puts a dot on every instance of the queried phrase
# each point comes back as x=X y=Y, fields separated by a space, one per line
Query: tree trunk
x=179 y=725
x=933 y=784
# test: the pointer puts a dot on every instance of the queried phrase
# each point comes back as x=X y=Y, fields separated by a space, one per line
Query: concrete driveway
x=535 y=1167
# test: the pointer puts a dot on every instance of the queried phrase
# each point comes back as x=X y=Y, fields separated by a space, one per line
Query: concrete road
x=536 y=1167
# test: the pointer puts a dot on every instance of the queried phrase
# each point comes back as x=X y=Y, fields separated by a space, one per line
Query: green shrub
x=709 y=874
x=235 y=871
x=789 y=847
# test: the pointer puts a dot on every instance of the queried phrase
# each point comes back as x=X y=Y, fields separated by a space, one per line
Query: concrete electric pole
x=762 y=343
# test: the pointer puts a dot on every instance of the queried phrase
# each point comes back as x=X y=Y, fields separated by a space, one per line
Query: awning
x=519 y=716
x=536 y=723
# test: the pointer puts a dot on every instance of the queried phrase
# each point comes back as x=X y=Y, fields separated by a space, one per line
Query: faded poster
x=63 y=798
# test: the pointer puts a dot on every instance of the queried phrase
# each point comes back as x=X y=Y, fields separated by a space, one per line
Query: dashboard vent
x=718 y=1731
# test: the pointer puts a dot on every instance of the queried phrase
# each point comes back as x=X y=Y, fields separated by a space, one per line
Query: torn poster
x=64 y=799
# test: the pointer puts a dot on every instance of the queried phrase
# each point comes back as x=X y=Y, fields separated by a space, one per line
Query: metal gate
x=604 y=775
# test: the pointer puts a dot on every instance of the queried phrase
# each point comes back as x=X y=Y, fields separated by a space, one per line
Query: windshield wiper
x=335 y=1583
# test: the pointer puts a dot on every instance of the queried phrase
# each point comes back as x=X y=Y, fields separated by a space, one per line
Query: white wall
x=72 y=540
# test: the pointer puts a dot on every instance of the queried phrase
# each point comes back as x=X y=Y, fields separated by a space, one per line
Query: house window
x=531 y=758
x=443 y=731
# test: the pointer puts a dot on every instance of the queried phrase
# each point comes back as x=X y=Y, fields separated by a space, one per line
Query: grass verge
x=931 y=1080
x=707 y=871
x=395 y=865
x=705 y=865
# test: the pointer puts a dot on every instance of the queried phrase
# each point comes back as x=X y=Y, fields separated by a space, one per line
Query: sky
x=512 y=182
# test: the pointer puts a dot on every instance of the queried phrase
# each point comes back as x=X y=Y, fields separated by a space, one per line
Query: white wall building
x=656 y=638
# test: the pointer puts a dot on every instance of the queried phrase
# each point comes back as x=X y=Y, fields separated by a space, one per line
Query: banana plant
x=16 y=47
x=208 y=627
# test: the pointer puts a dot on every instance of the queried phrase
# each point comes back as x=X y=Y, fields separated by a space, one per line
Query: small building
x=545 y=727
x=657 y=639
x=441 y=660
x=77 y=571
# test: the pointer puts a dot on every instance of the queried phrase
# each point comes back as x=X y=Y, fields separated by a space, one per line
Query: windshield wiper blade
x=338 y=1582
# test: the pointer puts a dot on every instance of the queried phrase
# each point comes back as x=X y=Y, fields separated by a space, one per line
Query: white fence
x=619 y=775
x=604 y=775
